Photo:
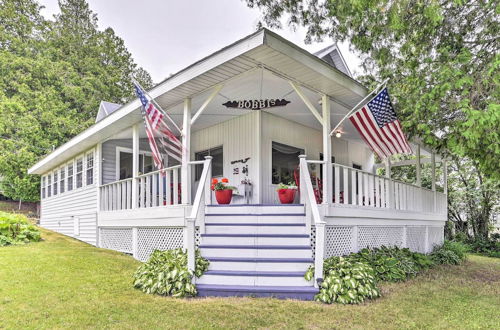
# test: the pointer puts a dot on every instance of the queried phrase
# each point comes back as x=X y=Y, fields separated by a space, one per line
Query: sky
x=165 y=36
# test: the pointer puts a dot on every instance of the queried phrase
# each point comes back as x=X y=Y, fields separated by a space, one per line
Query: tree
x=442 y=56
x=54 y=75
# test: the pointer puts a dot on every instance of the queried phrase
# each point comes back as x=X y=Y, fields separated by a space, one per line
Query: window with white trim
x=49 y=185
x=62 y=178
x=55 y=182
x=44 y=182
x=79 y=172
x=90 y=168
x=70 y=169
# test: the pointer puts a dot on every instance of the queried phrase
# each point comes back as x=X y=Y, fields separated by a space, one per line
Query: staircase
x=256 y=250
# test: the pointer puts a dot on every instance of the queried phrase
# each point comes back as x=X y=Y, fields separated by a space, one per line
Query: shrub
x=16 y=229
x=391 y=264
x=450 y=253
x=345 y=281
x=166 y=273
x=490 y=247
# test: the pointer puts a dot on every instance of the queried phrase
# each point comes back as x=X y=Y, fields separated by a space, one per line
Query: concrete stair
x=256 y=250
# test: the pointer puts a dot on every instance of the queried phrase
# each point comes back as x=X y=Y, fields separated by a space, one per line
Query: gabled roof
x=105 y=109
x=260 y=49
x=333 y=56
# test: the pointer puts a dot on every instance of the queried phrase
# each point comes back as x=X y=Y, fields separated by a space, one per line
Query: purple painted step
x=253 y=273
x=243 y=205
x=277 y=260
x=280 y=292
x=257 y=247
x=257 y=235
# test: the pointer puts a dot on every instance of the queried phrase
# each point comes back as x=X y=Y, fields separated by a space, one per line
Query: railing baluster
x=345 y=194
x=354 y=188
x=161 y=179
x=360 y=188
x=337 y=184
x=371 y=189
x=377 y=191
x=119 y=196
x=176 y=187
x=148 y=191
x=168 y=188
x=382 y=192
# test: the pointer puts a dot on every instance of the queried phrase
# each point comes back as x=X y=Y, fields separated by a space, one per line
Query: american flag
x=377 y=123
x=161 y=139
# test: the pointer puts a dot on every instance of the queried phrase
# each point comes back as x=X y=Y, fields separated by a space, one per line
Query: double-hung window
x=62 y=178
x=79 y=172
x=70 y=170
x=44 y=181
x=49 y=185
x=90 y=168
x=55 y=182
x=217 y=161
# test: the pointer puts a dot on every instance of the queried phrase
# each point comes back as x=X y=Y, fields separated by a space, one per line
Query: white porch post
x=327 y=151
x=418 y=167
x=445 y=176
x=390 y=200
x=433 y=171
x=135 y=165
x=186 y=153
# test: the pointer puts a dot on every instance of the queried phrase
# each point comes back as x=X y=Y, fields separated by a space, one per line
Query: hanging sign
x=256 y=104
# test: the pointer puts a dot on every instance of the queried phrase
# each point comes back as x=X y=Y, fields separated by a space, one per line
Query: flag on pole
x=161 y=139
x=377 y=123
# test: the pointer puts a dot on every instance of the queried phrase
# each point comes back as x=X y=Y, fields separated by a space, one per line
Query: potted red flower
x=286 y=192
x=223 y=192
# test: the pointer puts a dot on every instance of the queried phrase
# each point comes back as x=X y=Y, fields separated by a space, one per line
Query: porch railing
x=308 y=198
x=158 y=188
x=356 y=187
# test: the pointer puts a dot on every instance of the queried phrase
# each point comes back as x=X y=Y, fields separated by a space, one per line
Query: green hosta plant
x=345 y=281
x=166 y=273
x=387 y=267
x=16 y=229
x=450 y=253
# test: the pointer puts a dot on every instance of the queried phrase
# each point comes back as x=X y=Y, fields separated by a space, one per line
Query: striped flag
x=161 y=139
x=377 y=123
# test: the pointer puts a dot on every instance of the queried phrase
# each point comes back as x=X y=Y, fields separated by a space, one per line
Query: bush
x=16 y=229
x=345 y=281
x=166 y=273
x=490 y=248
x=450 y=253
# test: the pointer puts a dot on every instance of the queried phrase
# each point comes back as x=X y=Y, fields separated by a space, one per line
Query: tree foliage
x=54 y=73
x=442 y=56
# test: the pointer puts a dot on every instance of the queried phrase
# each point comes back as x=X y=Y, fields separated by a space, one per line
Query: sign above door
x=256 y=104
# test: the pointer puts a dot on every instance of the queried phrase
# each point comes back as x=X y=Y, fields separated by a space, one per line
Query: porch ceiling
x=261 y=49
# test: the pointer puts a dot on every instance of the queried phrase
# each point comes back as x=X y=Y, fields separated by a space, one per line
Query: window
x=44 y=180
x=62 y=177
x=55 y=183
x=79 y=173
x=49 y=185
x=285 y=160
x=125 y=169
x=70 y=176
x=217 y=162
x=90 y=168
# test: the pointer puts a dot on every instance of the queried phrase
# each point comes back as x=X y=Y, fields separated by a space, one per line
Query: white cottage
x=101 y=186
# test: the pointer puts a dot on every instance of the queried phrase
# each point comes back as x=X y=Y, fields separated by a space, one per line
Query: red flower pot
x=224 y=196
x=286 y=195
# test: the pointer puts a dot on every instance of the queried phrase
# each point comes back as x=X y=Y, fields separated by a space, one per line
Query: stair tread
x=263 y=247
x=254 y=214
x=264 y=224
x=253 y=273
x=257 y=235
x=257 y=260
x=251 y=288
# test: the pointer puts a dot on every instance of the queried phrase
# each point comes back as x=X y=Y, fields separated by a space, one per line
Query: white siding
x=239 y=139
x=58 y=212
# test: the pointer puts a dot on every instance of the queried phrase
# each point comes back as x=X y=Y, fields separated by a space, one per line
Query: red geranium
x=215 y=181
x=225 y=180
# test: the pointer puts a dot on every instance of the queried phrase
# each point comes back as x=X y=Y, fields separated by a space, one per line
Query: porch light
x=338 y=134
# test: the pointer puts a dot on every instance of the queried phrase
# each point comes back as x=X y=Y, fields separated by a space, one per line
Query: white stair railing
x=307 y=197
x=200 y=201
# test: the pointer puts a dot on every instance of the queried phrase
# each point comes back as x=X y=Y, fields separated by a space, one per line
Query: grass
x=63 y=283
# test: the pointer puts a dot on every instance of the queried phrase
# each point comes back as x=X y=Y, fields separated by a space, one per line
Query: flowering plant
x=290 y=185
x=222 y=185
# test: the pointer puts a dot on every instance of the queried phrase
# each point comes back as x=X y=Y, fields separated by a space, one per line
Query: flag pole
x=156 y=103
x=359 y=103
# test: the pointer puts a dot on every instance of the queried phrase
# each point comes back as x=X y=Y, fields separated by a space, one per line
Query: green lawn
x=63 y=283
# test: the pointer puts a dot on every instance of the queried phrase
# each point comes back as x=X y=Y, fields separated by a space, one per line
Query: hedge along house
x=258 y=111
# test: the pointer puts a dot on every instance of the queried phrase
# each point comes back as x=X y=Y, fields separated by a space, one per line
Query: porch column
x=186 y=153
x=135 y=165
x=327 y=151
x=445 y=176
x=433 y=175
x=418 y=167
x=390 y=199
